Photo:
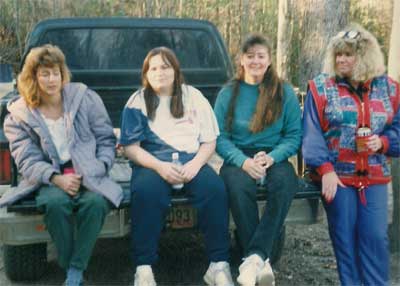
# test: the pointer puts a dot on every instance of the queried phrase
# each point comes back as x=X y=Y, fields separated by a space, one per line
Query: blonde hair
x=369 y=56
x=44 y=56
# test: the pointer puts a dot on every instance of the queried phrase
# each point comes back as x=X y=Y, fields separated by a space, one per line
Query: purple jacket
x=91 y=144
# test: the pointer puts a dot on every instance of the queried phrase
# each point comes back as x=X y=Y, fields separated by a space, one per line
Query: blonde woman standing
x=351 y=129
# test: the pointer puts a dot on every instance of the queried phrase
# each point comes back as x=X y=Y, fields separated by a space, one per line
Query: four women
x=351 y=127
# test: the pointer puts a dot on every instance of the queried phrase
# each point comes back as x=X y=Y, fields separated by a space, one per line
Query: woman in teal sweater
x=260 y=122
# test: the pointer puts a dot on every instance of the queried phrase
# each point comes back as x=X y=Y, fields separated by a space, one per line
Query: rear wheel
x=25 y=262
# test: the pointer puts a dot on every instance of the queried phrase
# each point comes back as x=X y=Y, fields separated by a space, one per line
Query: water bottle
x=261 y=181
x=175 y=161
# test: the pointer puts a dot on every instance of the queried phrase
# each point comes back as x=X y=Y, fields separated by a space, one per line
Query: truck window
x=125 y=48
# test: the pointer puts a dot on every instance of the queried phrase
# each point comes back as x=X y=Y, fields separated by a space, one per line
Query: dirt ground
x=307 y=260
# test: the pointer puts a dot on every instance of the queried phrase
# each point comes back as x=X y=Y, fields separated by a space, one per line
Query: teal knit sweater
x=283 y=136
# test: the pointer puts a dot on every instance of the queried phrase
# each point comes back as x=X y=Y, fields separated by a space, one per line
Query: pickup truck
x=106 y=54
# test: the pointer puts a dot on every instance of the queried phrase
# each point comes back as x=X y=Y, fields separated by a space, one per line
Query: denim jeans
x=151 y=200
x=74 y=243
x=359 y=235
x=257 y=234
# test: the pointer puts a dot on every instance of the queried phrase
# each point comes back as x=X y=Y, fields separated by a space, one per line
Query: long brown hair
x=150 y=97
x=44 y=56
x=270 y=99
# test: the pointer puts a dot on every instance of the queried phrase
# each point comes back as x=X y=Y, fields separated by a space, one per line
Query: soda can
x=362 y=138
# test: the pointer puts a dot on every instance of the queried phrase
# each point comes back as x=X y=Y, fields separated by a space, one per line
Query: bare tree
x=321 y=19
x=394 y=71
x=285 y=30
x=394 y=51
x=245 y=18
x=149 y=8
x=17 y=28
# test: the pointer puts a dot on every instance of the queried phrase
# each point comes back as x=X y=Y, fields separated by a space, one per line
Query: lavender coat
x=91 y=144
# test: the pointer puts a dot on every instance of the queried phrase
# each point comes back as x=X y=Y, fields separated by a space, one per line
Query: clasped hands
x=257 y=166
x=69 y=183
x=175 y=174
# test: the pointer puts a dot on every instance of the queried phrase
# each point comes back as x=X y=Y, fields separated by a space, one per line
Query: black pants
x=257 y=234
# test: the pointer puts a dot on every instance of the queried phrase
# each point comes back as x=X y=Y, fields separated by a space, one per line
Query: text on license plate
x=181 y=216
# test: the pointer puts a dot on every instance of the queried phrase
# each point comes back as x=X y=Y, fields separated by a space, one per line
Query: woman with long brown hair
x=165 y=119
x=259 y=118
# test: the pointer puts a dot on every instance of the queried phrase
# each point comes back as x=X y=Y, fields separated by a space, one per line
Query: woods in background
x=234 y=19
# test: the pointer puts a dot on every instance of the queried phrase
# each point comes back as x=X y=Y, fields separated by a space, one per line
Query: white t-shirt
x=58 y=135
x=166 y=134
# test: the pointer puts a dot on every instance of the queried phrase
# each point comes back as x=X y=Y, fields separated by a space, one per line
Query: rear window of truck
x=126 y=48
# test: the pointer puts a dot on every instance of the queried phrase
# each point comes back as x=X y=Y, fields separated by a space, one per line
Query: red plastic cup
x=69 y=170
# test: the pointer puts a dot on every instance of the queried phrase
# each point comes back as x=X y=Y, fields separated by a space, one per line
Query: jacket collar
x=72 y=94
x=362 y=87
x=32 y=118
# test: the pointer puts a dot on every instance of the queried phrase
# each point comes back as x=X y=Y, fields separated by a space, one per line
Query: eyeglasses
x=352 y=34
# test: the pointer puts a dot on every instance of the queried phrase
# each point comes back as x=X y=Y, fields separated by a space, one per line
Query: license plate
x=181 y=216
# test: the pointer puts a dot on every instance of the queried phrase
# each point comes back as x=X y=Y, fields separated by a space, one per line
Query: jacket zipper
x=362 y=114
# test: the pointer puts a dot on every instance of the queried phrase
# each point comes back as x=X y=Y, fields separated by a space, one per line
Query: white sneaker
x=266 y=276
x=144 y=276
x=250 y=269
x=218 y=274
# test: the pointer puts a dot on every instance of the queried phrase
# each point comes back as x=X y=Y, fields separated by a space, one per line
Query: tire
x=25 y=262
x=277 y=248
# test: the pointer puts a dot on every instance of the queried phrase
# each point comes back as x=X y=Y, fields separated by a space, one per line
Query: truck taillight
x=5 y=164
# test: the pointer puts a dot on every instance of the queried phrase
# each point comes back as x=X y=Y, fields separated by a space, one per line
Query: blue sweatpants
x=359 y=235
x=151 y=200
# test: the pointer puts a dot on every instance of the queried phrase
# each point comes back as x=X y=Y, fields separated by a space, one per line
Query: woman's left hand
x=330 y=181
x=190 y=170
x=263 y=159
x=374 y=143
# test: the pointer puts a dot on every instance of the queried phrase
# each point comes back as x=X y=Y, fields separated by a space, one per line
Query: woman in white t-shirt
x=166 y=117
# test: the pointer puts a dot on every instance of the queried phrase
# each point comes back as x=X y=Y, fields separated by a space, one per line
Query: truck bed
x=121 y=173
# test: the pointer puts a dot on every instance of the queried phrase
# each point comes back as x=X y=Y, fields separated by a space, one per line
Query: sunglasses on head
x=352 y=34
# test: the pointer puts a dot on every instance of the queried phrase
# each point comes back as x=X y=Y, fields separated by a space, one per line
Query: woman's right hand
x=330 y=181
x=170 y=172
x=69 y=183
x=255 y=170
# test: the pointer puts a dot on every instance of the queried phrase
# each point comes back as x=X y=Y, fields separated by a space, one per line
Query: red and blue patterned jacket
x=332 y=114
